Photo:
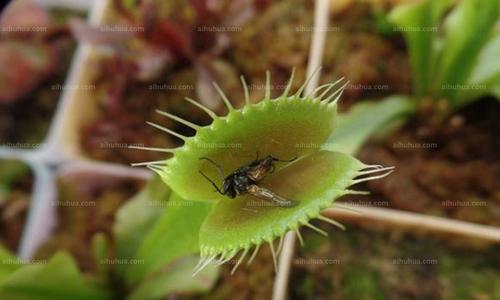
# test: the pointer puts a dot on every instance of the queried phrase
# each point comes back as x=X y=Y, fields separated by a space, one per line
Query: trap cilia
x=293 y=127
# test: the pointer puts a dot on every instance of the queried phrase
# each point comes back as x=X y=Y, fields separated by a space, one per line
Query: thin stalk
x=409 y=219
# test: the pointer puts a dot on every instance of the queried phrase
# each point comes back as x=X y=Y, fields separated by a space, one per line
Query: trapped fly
x=246 y=179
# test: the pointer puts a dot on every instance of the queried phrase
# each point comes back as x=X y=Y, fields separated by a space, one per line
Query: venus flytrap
x=285 y=127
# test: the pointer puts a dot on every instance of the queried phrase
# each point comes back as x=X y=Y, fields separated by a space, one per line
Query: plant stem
x=413 y=220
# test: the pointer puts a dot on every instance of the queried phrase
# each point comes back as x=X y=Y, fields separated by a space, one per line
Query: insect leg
x=285 y=160
x=219 y=168
x=213 y=183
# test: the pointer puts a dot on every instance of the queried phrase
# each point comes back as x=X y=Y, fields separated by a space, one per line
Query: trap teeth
x=337 y=172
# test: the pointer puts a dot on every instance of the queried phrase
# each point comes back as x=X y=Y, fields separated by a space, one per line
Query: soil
x=125 y=102
x=356 y=51
x=122 y=123
x=254 y=281
x=373 y=58
x=16 y=180
x=87 y=205
x=373 y=262
x=449 y=168
x=24 y=123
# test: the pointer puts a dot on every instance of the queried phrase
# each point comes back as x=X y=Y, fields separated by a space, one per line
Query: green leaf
x=58 y=279
x=419 y=23
x=143 y=226
x=12 y=170
x=137 y=216
x=315 y=181
x=485 y=78
x=174 y=235
x=8 y=263
x=100 y=247
x=176 y=278
x=284 y=127
x=364 y=119
x=467 y=29
x=382 y=24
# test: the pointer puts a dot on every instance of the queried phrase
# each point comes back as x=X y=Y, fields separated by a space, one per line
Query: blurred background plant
x=432 y=134
x=35 y=53
x=425 y=84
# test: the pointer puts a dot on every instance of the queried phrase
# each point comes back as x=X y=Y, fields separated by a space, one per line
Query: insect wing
x=268 y=195
x=257 y=173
